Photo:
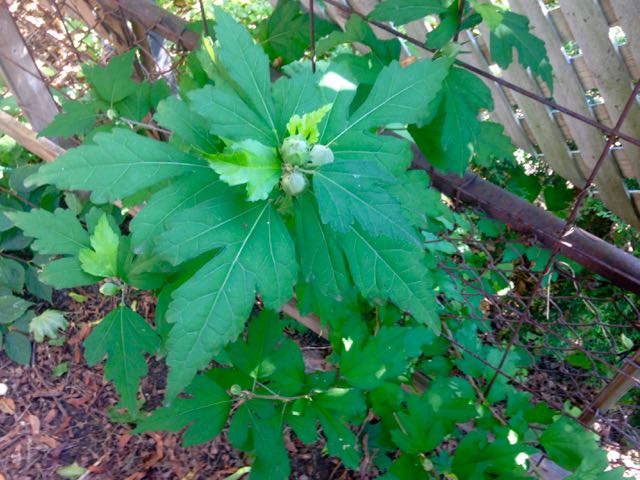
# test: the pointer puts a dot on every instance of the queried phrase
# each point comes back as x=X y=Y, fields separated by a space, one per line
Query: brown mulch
x=47 y=422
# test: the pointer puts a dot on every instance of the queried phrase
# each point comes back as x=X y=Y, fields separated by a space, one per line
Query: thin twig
x=18 y=197
x=205 y=26
x=312 y=35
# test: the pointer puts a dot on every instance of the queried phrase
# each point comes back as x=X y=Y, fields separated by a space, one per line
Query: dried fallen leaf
x=79 y=337
x=34 y=422
x=49 y=441
x=7 y=406
x=123 y=440
x=50 y=416
x=77 y=402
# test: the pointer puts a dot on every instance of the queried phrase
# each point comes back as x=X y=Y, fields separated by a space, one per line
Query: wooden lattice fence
x=594 y=49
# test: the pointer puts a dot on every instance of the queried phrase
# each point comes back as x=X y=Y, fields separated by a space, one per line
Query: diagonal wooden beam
x=22 y=74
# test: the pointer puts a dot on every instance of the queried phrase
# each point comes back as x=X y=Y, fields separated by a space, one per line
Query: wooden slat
x=502 y=112
x=568 y=89
x=628 y=14
x=41 y=147
x=22 y=74
x=591 y=30
x=548 y=135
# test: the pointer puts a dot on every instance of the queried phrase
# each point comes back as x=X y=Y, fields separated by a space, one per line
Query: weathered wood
x=591 y=252
x=591 y=31
x=628 y=16
x=41 y=147
x=625 y=379
x=502 y=112
x=539 y=119
x=22 y=74
x=590 y=142
x=152 y=17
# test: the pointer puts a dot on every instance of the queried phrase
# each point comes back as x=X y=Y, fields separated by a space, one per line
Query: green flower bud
x=235 y=389
x=108 y=289
x=112 y=114
x=295 y=150
x=294 y=183
x=320 y=155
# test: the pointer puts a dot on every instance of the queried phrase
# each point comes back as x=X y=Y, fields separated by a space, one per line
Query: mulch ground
x=47 y=422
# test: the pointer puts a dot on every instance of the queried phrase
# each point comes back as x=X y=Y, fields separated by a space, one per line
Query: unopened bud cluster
x=296 y=152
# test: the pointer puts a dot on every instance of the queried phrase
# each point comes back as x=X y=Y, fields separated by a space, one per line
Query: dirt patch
x=47 y=422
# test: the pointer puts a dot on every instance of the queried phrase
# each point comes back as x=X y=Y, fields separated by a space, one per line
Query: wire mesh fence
x=569 y=332
x=551 y=327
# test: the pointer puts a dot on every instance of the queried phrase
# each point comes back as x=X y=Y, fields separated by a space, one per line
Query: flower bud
x=294 y=183
x=112 y=114
x=235 y=389
x=320 y=155
x=295 y=150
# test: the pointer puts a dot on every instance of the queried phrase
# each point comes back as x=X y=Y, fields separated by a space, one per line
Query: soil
x=48 y=422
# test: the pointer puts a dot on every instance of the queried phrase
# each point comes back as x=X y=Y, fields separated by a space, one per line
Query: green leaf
x=66 y=273
x=247 y=65
x=12 y=274
x=476 y=457
x=12 y=308
x=456 y=125
x=444 y=32
x=207 y=225
x=186 y=192
x=55 y=233
x=113 y=82
x=358 y=30
x=190 y=128
x=388 y=269
x=285 y=33
x=205 y=413
x=210 y=309
x=307 y=124
x=47 y=324
x=119 y=164
x=268 y=357
x=248 y=162
x=256 y=427
x=136 y=105
x=405 y=11
x=491 y=14
x=335 y=408
x=416 y=198
x=77 y=118
x=491 y=143
x=557 y=196
x=431 y=417
x=322 y=262
x=60 y=369
x=123 y=337
x=394 y=154
x=400 y=95
x=229 y=117
x=295 y=95
x=512 y=33
x=73 y=471
x=18 y=347
x=383 y=356
x=35 y=286
x=355 y=190
x=560 y=439
x=101 y=260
